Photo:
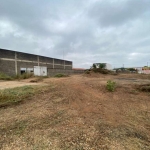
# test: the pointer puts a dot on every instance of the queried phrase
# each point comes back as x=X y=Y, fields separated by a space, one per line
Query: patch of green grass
x=60 y=75
x=5 y=77
x=16 y=95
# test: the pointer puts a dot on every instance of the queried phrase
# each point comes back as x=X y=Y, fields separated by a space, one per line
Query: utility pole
x=63 y=59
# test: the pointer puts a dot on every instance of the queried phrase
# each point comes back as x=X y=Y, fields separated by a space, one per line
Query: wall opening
x=23 y=70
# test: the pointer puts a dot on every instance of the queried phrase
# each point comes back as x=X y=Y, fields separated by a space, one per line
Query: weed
x=60 y=75
x=145 y=88
x=111 y=85
x=87 y=72
x=23 y=76
x=19 y=76
x=102 y=71
x=4 y=77
x=15 y=95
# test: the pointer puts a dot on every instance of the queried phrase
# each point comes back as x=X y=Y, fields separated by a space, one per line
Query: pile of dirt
x=100 y=71
x=103 y=71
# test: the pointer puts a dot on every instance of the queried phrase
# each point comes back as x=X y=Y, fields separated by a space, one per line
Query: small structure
x=143 y=70
x=40 y=71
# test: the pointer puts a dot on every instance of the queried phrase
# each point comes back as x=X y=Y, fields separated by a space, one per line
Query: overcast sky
x=86 y=31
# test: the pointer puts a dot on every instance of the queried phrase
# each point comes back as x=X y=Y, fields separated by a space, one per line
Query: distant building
x=143 y=70
x=107 y=66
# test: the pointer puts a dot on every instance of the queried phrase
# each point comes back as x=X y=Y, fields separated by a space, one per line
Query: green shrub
x=4 y=77
x=111 y=85
x=94 y=66
x=102 y=66
x=60 y=75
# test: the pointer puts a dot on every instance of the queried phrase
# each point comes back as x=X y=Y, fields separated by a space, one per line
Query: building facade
x=13 y=62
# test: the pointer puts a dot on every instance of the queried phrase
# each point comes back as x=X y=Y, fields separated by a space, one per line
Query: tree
x=94 y=66
x=102 y=66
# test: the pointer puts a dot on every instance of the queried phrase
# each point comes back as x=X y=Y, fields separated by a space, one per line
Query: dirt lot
x=12 y=84
x=78 y=113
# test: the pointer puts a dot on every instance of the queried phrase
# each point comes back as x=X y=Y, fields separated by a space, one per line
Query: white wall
x=108 y=66
x=40 y=71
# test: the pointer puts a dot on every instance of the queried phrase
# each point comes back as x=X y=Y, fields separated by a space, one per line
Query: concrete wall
x=7 y=54
x=108 y=66
x=53 y=72
x=11 y=62
x=7 y=67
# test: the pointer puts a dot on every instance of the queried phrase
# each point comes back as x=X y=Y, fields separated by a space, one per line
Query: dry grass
x=4 y=77
x=17 y=95
x=78 y=113
x=12 y=96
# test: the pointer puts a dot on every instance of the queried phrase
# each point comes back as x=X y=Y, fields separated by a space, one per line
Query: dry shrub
x=5 y=77
x=144 y=88
x=24 y=76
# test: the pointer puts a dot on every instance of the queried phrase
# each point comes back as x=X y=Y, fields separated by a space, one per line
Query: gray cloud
x=88 y=31
x=114 y=13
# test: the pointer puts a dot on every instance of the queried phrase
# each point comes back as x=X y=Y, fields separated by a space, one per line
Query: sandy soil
x=13 y=84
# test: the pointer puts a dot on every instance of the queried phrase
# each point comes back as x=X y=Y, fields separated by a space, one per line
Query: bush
x=60 y=75
x=15 y=95
x=24 y=76
x=102 y=66
x=144 y=87
x=87 y=72
x=103 y=71
x=93 y=67
x=4 y=77
x=111 y=85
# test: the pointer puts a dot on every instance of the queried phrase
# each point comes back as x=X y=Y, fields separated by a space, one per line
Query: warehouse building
x=13 y=63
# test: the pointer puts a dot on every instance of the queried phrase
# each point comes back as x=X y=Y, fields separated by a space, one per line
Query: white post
x=38 y=60
x=53 y=63
x=16 y=70
x=64 y=64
